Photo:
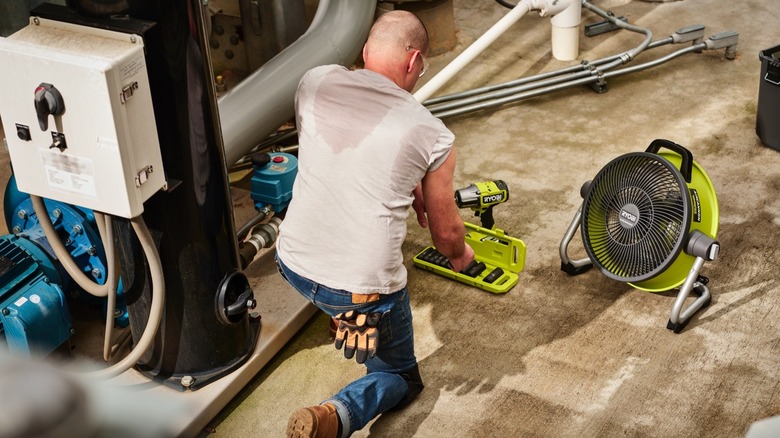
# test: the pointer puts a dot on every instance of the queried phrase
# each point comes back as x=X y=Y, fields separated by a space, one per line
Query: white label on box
x=129 y=69
x=108 y=144
x=69 y=173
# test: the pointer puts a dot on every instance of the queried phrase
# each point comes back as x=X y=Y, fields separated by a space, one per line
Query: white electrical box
x=77 y=113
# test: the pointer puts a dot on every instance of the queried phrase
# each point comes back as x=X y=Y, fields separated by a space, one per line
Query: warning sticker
x=69 y=173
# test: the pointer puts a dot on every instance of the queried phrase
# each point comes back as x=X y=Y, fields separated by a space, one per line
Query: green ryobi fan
x=650 y=219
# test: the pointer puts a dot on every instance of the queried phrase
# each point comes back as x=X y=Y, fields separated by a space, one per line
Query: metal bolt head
x=76 y=229
x=56 y=213
x=22 y=214
x=17 y=229
x=187 y=381
x=96 y=273
x=91 y=250
x=251 y=304
x=6 y=312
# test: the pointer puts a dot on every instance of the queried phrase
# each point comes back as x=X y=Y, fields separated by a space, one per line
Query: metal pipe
x=611 y=62
x=622 y=24
x=582 y=81
x=541 y=76
x=262 y=102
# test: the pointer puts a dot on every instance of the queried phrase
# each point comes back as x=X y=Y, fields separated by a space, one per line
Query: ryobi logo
x=629 y=215
x=626 y=215
x=493 y=198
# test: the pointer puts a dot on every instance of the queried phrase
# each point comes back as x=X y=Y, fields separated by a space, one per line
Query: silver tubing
x=584 y=66
x=680 y=315
x=564 y=246
x=582 y=81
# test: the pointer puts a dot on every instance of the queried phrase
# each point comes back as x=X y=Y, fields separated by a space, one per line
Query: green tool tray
x=491 y=247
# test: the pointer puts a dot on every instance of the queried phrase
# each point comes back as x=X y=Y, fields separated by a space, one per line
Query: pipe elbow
x=552 y=7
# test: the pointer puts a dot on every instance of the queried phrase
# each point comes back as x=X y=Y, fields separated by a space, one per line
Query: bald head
x=396 y=44
x=398 y=31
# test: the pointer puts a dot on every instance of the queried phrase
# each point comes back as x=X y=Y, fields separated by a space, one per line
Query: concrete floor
x=582 y=356
x=579 y=356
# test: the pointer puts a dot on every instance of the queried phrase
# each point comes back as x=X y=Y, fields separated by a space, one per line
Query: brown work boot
x=314 y=422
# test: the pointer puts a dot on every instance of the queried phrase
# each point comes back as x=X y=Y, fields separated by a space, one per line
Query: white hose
x=106 y=230
x=107 y=289
x=155 y=311
x=155 y=267
x=63 y=255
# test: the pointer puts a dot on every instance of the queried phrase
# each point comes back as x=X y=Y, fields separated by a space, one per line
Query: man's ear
x=412 y=61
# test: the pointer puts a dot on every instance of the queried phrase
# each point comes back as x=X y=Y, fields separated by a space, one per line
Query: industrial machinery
x=650 y=219
x=31 y=272
x=114 y=129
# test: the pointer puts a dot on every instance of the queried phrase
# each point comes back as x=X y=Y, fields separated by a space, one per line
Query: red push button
x=278 y=159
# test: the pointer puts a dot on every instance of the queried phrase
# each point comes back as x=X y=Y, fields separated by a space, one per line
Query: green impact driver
x=482 y=197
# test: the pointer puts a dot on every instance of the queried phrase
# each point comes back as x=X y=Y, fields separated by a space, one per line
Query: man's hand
x=460 y=263
x=419 y=206
x=357 y=332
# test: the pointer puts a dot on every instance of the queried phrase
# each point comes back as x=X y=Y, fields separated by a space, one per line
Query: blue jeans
x=392 y=379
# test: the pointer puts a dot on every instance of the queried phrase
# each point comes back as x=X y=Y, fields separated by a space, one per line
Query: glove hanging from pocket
x=357 y=332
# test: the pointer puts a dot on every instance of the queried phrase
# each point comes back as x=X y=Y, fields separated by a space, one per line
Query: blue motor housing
x=34 y=317
x=272 y=181
x=22 y=328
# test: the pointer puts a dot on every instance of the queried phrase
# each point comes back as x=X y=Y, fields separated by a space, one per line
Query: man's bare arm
x=446 y=226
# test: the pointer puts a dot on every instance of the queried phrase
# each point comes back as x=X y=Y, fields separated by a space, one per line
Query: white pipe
x=570 y=8
x=472 y=51
x=566 y=32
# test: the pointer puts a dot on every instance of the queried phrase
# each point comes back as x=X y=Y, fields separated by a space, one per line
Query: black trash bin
x=768 y=114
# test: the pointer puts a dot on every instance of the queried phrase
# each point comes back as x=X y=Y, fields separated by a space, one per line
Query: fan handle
x=686 y=166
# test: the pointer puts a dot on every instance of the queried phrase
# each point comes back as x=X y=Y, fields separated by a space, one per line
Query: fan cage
x=636 y=217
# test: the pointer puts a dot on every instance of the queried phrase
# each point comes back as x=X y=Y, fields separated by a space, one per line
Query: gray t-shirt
x=365 y=144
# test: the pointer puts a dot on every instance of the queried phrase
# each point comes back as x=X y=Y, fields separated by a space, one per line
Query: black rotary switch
x=48 y=100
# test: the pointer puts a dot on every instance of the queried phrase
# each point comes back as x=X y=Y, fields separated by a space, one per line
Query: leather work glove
x=357 y=332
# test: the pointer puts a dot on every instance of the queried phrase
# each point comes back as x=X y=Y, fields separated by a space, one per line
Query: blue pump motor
x=34 y=317
x=33 y=288
x=273 y=179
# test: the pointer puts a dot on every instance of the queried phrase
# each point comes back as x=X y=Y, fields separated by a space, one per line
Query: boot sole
x=302 y=424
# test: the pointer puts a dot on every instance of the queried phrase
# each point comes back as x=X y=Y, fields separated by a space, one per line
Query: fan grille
x=635 y=216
